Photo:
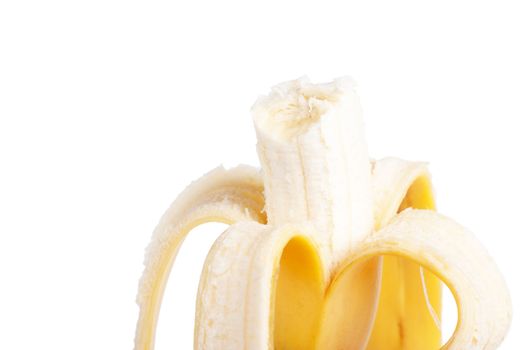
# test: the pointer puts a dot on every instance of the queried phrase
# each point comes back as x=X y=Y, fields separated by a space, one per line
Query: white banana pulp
x=326 y=249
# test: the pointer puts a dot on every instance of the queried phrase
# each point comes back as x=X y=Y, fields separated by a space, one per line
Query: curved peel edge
x=458 y=258
x=222 y=195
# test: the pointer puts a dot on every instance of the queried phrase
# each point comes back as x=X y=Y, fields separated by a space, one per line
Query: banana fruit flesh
x=326 y=249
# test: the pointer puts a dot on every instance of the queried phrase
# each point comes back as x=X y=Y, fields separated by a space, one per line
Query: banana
x=326 y=249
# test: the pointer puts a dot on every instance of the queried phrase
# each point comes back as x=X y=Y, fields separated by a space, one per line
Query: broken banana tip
x=326 y=249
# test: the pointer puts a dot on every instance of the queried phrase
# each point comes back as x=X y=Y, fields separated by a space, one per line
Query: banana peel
x=326 y=249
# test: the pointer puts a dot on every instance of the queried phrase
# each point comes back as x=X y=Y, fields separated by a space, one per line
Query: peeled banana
x=326 y=249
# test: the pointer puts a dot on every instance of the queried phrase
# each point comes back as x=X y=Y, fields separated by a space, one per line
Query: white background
x=108 y=109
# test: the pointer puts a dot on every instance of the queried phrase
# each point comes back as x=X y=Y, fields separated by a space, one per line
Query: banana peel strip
x=225 y=196
x=409 y=310
x=453 y=254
